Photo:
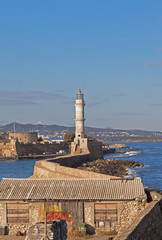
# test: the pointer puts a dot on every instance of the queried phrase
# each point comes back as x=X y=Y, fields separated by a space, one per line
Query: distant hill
x=99 y=133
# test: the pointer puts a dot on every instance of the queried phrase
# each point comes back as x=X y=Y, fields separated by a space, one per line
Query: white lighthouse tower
x=92 y=149
x=80 y=144
x=79 y=115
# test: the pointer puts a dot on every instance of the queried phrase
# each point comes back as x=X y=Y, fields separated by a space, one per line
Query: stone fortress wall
x=20 y=144
x=25 y=137
x=8 y=149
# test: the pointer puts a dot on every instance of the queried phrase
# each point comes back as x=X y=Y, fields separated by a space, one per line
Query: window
x=105 y=215
x=18 y=213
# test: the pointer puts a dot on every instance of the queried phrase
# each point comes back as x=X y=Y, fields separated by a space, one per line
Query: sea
x=148 y=153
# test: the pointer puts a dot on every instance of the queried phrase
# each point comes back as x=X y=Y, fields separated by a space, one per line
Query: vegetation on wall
x=69 y=137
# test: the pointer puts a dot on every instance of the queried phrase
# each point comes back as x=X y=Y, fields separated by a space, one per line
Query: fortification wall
x=40 y=148
x=95 y=149
x=148 y=224
x=8 y=149
x=72 y=161
x=24 y=137
x=47 y=169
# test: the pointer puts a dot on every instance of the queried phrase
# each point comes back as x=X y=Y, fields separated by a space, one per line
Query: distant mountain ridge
x=58 y=131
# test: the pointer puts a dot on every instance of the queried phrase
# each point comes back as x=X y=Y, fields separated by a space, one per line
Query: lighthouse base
x=82 y=145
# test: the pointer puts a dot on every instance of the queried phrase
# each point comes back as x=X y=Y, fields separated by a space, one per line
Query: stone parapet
x=51 y=169
x=148 y=224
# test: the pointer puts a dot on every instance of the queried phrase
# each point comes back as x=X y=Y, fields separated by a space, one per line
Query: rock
x=110 y=167
x=18 y=233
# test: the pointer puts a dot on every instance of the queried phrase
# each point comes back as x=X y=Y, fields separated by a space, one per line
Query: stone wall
x=8 y=149
x=25 y=137
x=34 y=217
x=89 y=217
x=39 y=148
x=148 y=224
x=2 y=214
x=49 y=169
x=95 y=149
x=74 y=214
x=128 y=211
x=71 y=211
x=13 y=229
x=71 y=160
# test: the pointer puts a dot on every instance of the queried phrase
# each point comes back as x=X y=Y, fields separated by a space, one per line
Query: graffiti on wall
x=59 y=215
x=54 y=212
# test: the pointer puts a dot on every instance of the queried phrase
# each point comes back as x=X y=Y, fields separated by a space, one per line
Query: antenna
x=14 y=127
x=83 y=87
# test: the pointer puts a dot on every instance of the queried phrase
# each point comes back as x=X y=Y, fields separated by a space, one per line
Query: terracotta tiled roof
x=70 y=189
x=105 y=144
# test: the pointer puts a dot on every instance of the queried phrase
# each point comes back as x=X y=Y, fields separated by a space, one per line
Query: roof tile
x=70 y=189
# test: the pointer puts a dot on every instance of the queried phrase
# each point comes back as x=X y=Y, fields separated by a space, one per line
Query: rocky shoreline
x=112 y=167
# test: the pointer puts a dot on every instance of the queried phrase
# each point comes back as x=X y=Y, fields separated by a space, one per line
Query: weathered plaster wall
x=89 y=217
x=34 y=213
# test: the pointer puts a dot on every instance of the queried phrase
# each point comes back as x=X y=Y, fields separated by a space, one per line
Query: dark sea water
x=16 y=169
x=151 y=156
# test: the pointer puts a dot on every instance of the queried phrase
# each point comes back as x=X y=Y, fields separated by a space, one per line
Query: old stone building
x=98 y=203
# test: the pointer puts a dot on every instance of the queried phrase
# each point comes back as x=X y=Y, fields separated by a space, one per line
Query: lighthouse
x=81 y=145
x=79 y=115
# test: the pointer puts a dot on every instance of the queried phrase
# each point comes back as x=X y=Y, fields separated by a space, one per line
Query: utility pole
x=45 y=221
x=14 y=128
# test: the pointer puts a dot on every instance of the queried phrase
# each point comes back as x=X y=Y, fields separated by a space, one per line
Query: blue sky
x=112 y=50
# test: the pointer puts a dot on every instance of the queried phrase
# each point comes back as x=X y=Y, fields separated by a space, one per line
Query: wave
x=131 y=173
x=132 y=153
x=145 y=166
